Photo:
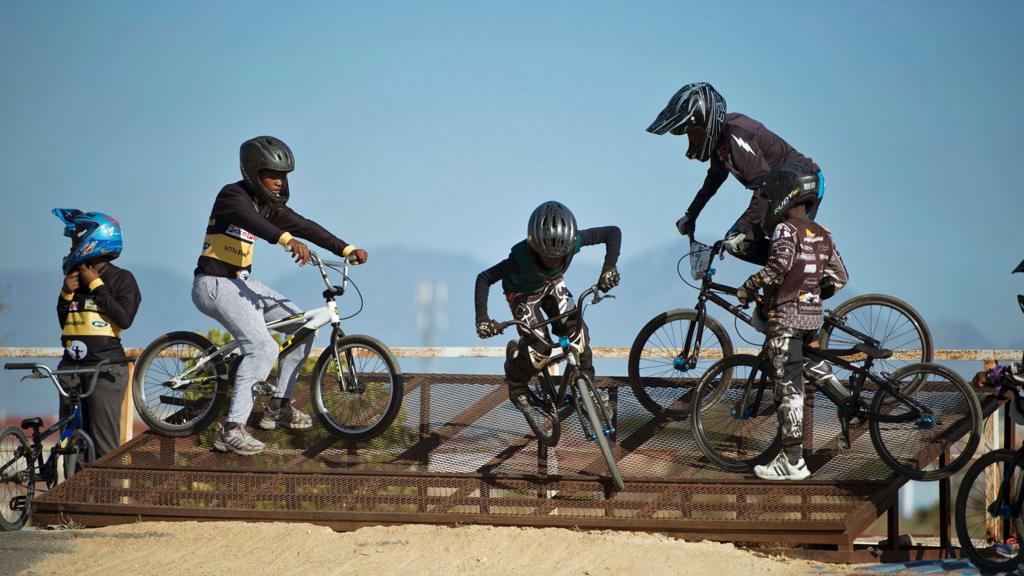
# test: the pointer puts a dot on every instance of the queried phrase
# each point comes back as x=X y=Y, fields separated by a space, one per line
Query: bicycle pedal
x=18 y=503
x=263 y=388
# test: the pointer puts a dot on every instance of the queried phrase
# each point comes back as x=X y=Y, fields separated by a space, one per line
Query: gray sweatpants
x=244 y=307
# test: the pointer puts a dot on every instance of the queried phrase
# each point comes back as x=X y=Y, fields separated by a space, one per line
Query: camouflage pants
x=788 y=367
x=551 y=300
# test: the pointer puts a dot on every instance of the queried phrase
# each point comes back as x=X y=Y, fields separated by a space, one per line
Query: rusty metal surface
x=459 y=453
x=499 y=352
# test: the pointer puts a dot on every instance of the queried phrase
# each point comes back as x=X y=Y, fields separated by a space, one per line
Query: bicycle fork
x=570 y=358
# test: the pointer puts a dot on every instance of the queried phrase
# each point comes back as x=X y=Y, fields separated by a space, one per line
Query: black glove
x=746 y=293
x=609 y=279
x=487 y=328
x=687 y=224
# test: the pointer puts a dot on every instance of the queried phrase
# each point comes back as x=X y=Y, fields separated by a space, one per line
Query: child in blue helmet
x=97 y=302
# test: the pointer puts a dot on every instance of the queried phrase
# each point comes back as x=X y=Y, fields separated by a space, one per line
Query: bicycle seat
x=861 y=348
x=31 y=423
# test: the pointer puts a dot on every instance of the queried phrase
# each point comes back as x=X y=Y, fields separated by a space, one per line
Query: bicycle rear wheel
x=359 y=399
x=896 y=325
x=661 y=379
x=588 y=394
x=733 y=414
x=542 y=414
x=17 y=479
x=912 y=447
x=164 y=405
x=988 y=535
x=79 y=452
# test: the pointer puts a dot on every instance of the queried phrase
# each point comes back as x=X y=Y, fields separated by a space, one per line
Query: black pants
x=553 y=299
x=101 y=411
x=758 y=246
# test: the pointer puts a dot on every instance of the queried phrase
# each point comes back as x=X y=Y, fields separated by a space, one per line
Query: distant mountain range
x=388 y=285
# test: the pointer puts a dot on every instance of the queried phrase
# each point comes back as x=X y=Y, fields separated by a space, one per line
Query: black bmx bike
x=913 y=415
x=25 y=463
x=675 y=348
x=575 y=390
x=989 y=508
x=181 y=379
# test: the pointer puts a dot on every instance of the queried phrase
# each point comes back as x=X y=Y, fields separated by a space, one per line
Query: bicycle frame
x=849 y=408
x=67 y=425
x=711 y=291
x=309 y=322
x=568 y=354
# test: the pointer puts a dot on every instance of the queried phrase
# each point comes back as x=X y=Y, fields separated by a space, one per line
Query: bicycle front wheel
x=733 y=414
x=661 y=378
x=987 y=532
x=895 y=324
x=588 y=394
x=17 y=479
x=172 y=395
x=952 y=421
x=357 y=393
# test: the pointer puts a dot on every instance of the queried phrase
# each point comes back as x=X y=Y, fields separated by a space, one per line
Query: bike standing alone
x=255 y=207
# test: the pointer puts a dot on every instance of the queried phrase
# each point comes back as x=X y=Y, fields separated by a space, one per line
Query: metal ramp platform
x=460 y=453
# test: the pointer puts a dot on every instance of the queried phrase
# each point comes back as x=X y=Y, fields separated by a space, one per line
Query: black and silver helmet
x=266 y=153
x=552 y=230
x=787 y=186
x=696 y=105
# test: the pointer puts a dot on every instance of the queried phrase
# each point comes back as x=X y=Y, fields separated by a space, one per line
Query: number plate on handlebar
x=700 y=259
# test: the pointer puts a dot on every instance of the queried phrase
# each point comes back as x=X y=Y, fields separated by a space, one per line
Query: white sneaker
x=781 y=469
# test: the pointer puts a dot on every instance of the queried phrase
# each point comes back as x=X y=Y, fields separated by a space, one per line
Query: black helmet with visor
x=695 y=106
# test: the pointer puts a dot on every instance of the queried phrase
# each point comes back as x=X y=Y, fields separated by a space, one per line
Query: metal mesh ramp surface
x=460 y=453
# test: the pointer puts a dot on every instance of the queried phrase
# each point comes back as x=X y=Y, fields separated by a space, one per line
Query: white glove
x=735 y=243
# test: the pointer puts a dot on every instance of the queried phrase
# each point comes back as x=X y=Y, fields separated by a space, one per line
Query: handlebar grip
x=19 y=366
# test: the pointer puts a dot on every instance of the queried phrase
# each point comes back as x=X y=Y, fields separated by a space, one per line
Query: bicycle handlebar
x=322 y=265
x=44 y=371
x=577 y=311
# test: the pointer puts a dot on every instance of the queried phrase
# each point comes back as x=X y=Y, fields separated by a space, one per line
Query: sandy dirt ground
x=192 y=548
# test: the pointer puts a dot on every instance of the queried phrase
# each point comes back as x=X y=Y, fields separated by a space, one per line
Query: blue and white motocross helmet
x=93 y=234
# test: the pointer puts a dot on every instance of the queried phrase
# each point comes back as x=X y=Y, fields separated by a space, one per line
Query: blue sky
x=441 y=125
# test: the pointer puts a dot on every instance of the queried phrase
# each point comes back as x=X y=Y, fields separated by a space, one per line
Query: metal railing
x=499 y=352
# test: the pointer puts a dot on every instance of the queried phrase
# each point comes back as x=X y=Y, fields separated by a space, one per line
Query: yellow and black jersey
x=93 y=317
x=236 y=222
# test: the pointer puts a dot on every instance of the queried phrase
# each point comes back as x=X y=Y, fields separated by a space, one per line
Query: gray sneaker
x=237 y=440
x=287 y=417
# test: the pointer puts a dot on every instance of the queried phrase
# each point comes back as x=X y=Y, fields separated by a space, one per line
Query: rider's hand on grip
x=357 y=256
x=300 y=252
x=686 y=225
x=746 y=295
x=487 y=328
x=736 y=243
x=609 y=279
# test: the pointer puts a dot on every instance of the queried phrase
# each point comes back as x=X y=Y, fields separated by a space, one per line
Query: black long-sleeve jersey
x=235 y=223
x=523 y=272
x=93 y=317
x=748 y=151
